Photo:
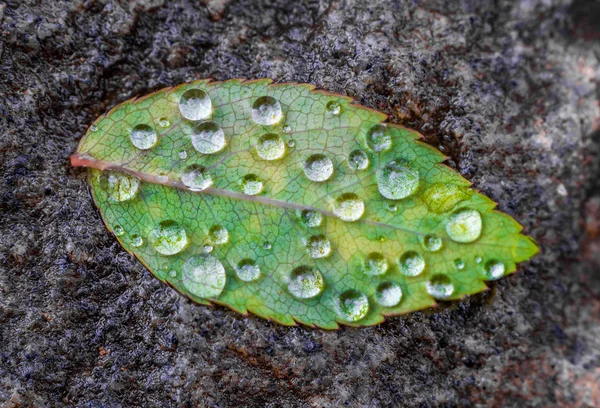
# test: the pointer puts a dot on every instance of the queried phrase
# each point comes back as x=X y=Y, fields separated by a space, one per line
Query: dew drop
x=396 y=181
x=266 y=110
x=204 y=276
x=118 y=230
x=412 y=263
x=164 y=122
x=478 y=259
x=195 y=104
x=348 y=207
x=291 y=143
x=168 y=238
x=493 y=270
x=143 y=137
x=286 y=128
x=388 y=294
x=376 y=264
x=464 y=225
x=208 y=138
x=432 y=243
x=267 y=245
x=251 y=184
x=162 y=178
x=119 y=186
x=352 y=305
x=218 y=234
x=94 y=128
x=459 y=263
x=311 y=218
x=247 y=270
x=334 y=108
x=306 y=282
x=270 y=147
x=392 y=207
x=318 y=167
x=173 y=274
x=207 y=249
x=318 y=246
x=440 y=287
x=196 y=178
x=137 y=241
x=183 y=155
x=358 y=160
x=379 y=139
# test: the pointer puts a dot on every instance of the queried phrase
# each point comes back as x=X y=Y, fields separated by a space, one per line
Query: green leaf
x=292 y=203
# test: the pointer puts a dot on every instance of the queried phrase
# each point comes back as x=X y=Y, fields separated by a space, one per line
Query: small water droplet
x=143 y=137
x=183 y=155
x=440 y=287
x=218 y=234
x=379 y=139
x=173 y=274
x=459 y=263
x=291 y=143
x=162 y=178
x=348 y=207
x=195 y=104
x=137 y=241
x=352 y=305
x=376 y=264
x=412 y=263
x=208 y=138
x=207 y=248
x=196 y=178
x=318 y=246
x=94 y=128
x=251 y=184
x=396 y=181
x=432 y=243
x=358 y=160
x=168 y=238
x=464 y=225
x=478 y=259
x=391 y=207
x=334 y=108
x=306 y=282
x=493 y=270
x=286 y=128
x=247 y=270
x=204 y=276
x=318 y=167
x=266 y=110
x=164 y=122
x=267 y=245
x=388 y=294
x=270 y=147
x=118 y=230
x=311 y=218
x=119 y=186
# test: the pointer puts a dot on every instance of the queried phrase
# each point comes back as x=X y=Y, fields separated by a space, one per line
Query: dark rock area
x=509 y=90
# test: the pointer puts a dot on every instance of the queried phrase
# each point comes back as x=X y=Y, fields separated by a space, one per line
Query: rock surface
x=508 y=90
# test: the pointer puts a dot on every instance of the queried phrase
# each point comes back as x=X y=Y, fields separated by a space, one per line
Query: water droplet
x=207 y=248
x=391 y=207
x=388 y=294
x=478 y=259
x=183 y=155
x=412 y=263
x=334 y=108
x=204 y=276
x=270 y=147
x=352 y=305
x=118 y=230
x=266 y=110
x=318 y=167
x=358 y=160
x=137 y=241
x=440 y=287
x=168 y=238
x=267 y=245
x=459 y=263
x=162 y=178
x=493 y=270
x=247 y=270
x=379 y=139
x=208 y=138
x=432 y=243
x=376 y=264
x=251 y=184
x=464 y=225
x=396 y=181
x=143 y=137
x=306 y=282
x=291 y=143
x=318 y=246
x=195 y=104
x=119 y=186
x=196 y=178
x=311 y=218
x=173 y=274
x=94 y=128
x=218 y=234
x=164 y=122
x=286 y=128
x=348 y=207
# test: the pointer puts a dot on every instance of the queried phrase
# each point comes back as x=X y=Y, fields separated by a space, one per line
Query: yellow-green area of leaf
x=292 y=203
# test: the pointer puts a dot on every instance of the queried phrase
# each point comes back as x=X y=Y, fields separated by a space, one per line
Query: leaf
x=292 y=203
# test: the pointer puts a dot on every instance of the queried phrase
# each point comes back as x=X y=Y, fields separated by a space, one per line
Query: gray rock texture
x=508 y=90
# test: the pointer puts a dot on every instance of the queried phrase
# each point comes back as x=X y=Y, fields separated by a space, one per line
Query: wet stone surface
x=508 y=90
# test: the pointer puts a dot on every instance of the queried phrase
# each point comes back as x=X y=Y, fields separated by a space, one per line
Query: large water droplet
x=204 y=276
x=334 y=108
x=376 y=264
x=358 y=160
x=318 y=167
x=137 y=241
x=168 y=238
x=143 y=137
x=270 y=147
x=218 y=234
x=118 y=230
x=251 y=184
x=311 y=218
x=388 y=294
x=493 y=270
x=306 y=282
x=266 y=110
x=432 y=243
x=119 y=186
x=208 y=138
x=396 y=181
x=247 y=270
x=440 y=287
x=464 y=225
x=318 y=246
x=352 y=305
x=379 y=139
x=348 y=207
x=195 y=104
x=412 y=263
x=196 y=178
